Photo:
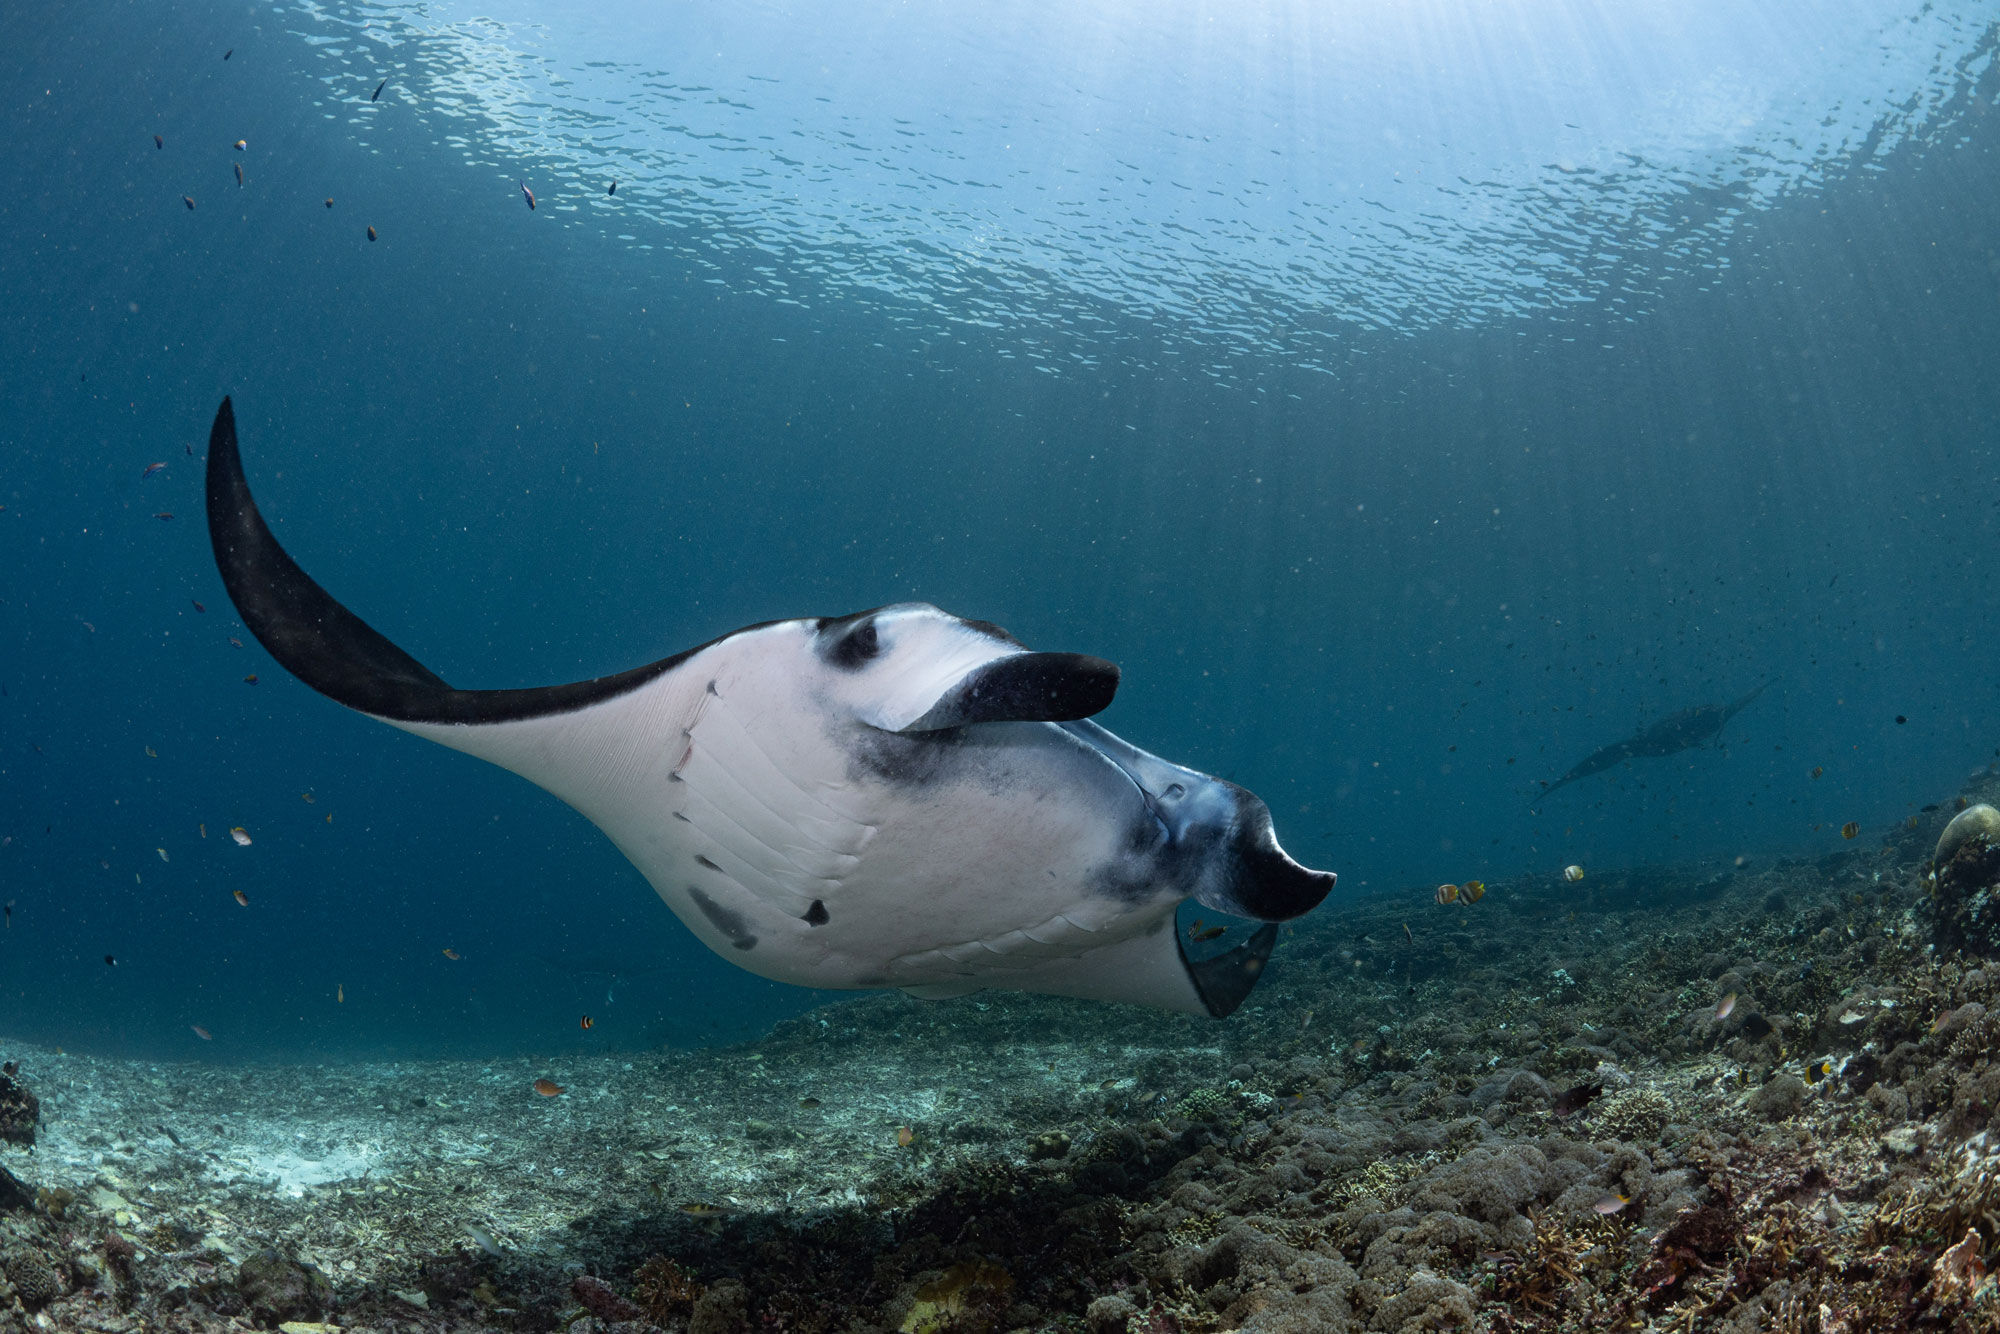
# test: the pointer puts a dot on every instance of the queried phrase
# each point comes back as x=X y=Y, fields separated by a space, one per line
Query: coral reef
x=1712 y=1098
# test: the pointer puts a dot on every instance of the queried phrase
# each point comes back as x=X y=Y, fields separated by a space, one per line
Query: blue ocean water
x=1410 y=399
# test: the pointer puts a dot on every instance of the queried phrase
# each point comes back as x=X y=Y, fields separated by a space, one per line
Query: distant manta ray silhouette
x=1669 y=736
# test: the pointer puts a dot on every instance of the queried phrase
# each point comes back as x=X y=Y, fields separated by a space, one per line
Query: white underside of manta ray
x=897 y=798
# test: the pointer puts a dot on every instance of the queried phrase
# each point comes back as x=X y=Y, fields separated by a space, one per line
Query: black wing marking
x=336 y=652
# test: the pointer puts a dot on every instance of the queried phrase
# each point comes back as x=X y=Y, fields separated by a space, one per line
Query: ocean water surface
x=1411 y=399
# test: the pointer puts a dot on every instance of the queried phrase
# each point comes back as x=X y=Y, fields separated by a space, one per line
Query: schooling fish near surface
x=894 y=798
x=1671 y=735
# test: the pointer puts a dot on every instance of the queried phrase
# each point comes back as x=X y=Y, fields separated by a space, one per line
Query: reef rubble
x=1736 y=1098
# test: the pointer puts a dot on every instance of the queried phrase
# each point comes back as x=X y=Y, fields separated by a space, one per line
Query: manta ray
x=893 y=798
x=1669 y=736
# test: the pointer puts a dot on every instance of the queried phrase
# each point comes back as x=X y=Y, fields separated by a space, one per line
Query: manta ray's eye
x=855 y=645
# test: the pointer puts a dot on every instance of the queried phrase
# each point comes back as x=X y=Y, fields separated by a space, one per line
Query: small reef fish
x=197 y=605
x=339 y=994
x=239 y=174
x=164 y=515
x=162 y=852
x=1447 y=894
x=10 y=914
x=529 y=195
x=329 y=201
x=371 y=233
x=1850 y=829
x=152 y=468
x=1818 y=769
x=241 y=835
x=586 y=1023
x=203 y=828
x=189 y=201
x=905 y=1137
x=242 y=899
x=548 y=1088
x=1575 y=1098
x=451 y=953
x=1212 y=933
x=1408 y=934
x=613 y=190
x=242 y=144
x=699 y=1210
x=250 y=680
x=307 y=798
x=1611 y=1204
x=1472 y=891
x=1572 y=873
x=234 y=642
x=809 y=1103
x=152 y=754
x=376 y=96
x=1724 y=1008
x=230 y=52
x=202 y=1033
x=1193 y=928
x=484 y=1239
x=158 y=142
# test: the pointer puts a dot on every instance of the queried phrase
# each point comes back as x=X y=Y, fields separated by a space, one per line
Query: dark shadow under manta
x=1669 y=736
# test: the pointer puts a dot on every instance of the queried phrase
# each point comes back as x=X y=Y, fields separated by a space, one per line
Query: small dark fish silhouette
x=377 y=95
x=1574 y=1099
x=613 y=190
x=110 y=962
x=230 y=52
x=189 y=201
x=530 y=195
x=158 y=142
x=371 y=233
x=329 y=201
x=1670 y=736
x=239 y=175
x=197 y=604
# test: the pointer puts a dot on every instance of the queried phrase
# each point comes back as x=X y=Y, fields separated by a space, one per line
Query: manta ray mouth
x=1217 y=837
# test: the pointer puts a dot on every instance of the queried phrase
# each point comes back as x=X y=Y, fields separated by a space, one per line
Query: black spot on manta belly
x=729 y=923
x=816 y=915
